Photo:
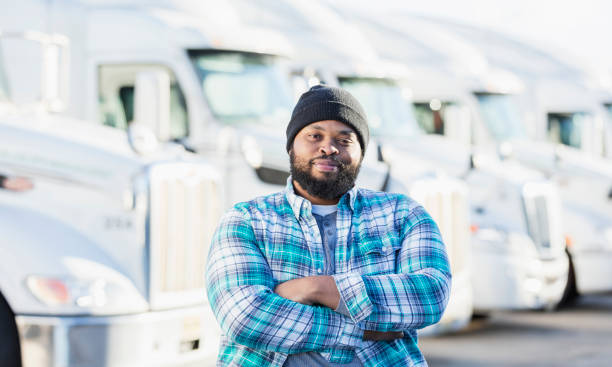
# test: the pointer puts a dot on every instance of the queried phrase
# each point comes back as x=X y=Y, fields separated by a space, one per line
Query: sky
x=575 y=29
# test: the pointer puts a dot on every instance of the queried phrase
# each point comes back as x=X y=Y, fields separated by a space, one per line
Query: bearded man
x=324 y=273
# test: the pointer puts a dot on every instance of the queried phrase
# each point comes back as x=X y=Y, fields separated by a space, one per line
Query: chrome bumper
x=180 y=337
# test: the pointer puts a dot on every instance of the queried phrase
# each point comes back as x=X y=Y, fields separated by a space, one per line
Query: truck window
x=116 y=98
x=566 y=128
x=431 y=115
x=243 y=87
x=389 y=114
x=609 y=109
x=501 y=114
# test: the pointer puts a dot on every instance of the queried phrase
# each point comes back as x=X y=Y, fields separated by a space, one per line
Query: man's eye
x=345 y=141
x=315 y=136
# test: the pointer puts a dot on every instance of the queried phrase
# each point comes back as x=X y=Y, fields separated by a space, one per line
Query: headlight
x=74 y=292
x=87 y=285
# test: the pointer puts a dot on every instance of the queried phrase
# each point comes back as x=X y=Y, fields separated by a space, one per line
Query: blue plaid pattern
x=392 y=272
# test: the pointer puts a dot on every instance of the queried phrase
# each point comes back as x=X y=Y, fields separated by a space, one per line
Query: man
x=323 y=273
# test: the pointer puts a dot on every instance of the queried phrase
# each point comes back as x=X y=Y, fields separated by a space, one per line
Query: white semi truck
x=517 y=120
x=518 y=258
x=514 y=211
x=103 y=242
x=230 y=97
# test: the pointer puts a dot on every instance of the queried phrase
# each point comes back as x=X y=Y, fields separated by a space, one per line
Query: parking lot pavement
x=577 y=335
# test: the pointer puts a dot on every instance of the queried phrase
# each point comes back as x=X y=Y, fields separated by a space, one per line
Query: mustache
x=334 y=158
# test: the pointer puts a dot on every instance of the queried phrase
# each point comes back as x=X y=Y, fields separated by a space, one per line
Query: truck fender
x=33 y=243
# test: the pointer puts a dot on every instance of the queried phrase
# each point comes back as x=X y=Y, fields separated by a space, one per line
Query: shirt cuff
x=351 y=335
x=353 y=294
x=341 y=309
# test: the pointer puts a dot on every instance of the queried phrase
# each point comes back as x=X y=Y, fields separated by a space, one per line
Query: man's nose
x=328 y=147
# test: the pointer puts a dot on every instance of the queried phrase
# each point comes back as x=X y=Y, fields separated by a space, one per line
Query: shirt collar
x=303 y=207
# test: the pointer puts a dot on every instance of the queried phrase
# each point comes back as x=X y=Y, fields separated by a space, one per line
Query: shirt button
x=385 y=249
x=319 y=270
x=329 y=233
x=326 y=224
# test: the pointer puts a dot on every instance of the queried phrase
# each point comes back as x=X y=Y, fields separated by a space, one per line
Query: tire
x=570 y=294
x=10 y=353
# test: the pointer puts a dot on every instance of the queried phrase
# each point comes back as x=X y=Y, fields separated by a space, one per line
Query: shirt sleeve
x=417 y=294
x=240 y=288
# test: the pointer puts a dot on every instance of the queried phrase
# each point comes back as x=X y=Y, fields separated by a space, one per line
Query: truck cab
x=536 y=270
x=105 y=245
x=498 y=191
x=230 y=97
x=522 y=109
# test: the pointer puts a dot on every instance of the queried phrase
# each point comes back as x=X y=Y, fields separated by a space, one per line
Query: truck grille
x=542 y=215
x=185 y=205
x=446 y=201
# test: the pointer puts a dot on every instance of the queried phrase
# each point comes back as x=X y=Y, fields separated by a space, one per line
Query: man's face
x=325 y=159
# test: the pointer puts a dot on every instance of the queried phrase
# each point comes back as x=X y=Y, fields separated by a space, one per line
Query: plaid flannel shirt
x=392 y=272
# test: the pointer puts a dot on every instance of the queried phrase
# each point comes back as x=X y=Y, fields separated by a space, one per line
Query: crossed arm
x=297 y=315
x=322 y=290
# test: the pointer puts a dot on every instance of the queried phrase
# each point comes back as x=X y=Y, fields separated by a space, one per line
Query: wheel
x=10 y=354
x=570 y=294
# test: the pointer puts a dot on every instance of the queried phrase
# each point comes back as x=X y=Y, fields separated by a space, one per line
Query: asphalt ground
x=575 y=335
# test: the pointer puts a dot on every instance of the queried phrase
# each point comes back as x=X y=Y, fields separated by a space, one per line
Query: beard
x=333 y=186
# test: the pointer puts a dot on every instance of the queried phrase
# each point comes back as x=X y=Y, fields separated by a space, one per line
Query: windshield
x=387 y=110
x=501 y=115
x=244 y=88
x=566 y=128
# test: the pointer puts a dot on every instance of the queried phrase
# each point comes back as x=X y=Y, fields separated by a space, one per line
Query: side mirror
x=52 y=53
x=56 y=72
x=152 y=102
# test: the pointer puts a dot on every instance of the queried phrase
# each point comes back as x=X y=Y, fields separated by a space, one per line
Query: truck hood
x=553 y=158
x=67 y=148
x=433 y=151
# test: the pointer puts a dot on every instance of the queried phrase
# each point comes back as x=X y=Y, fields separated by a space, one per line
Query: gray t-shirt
x=326 y=221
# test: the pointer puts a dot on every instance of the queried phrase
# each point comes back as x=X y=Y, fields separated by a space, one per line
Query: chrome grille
x=185 y=204
x=446 y=201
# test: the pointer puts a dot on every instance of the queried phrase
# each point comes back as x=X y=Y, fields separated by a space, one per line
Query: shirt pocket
x=288 y=257
x=376 y=255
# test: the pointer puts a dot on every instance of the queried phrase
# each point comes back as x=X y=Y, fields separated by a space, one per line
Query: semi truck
x=105 y=238
x=520 y=109
x=514 y=210
x=230 y=99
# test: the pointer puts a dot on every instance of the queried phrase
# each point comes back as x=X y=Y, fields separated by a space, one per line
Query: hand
x=382 y=335
x=311 y=290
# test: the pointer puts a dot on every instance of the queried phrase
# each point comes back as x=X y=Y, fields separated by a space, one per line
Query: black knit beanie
x=328 y=103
